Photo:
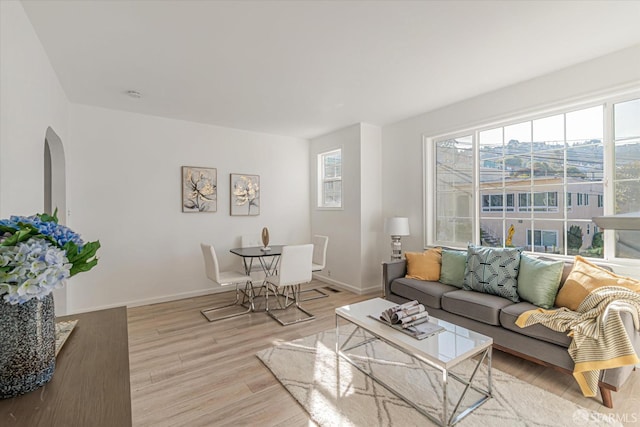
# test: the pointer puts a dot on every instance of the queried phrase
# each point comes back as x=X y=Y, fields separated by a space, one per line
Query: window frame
x=322 y=179
x=429 y=170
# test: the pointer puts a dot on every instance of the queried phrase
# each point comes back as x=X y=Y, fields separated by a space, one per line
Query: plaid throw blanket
x=600 y=340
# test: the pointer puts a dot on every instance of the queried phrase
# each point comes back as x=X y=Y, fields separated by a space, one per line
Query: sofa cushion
x=586 y=277
x=538 y=280
x=484 y=308
x=509 y=315
x=424 y=265
x=427 y=293
x=493 y=271
x=453 y=266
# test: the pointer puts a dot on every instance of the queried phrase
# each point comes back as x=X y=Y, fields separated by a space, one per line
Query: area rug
x=335 y=393
x=63 y=330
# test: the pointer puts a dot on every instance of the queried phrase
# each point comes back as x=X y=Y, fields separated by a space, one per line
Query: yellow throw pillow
x=585 y=278
x=424 y=266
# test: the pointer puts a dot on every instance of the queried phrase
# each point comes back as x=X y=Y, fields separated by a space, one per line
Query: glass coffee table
x=454 y=364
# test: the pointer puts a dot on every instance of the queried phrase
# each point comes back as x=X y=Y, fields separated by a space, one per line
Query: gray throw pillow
x=539 y=280
x=452 y=269
x=493 y=271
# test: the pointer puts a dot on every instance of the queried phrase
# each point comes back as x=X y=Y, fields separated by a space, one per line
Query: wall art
x=245 y=194
x=199 y=189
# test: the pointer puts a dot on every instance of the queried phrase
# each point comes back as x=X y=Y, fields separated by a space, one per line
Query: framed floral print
x=245 y=194
x=199 y=189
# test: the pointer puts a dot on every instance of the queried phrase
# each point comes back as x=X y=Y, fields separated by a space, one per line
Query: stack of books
x=411 y=318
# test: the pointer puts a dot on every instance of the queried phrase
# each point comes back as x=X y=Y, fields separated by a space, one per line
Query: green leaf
x=6 y=229
x=80 y=268
x=20 y=236
x=49 y=218
x=83 y=260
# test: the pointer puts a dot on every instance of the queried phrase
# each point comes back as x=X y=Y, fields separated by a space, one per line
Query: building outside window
x=543 y=238
x=524 y=175
x=539 y=202
x=583 y=199
x=495 y=202
x=330 y=179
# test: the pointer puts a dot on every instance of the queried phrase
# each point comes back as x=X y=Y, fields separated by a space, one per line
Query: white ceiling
x=305 y=68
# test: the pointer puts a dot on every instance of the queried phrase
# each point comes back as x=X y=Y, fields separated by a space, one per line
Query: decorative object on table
x=410 y=318
x=245 y=194
x=63 y=330
x=265 y=239
x=37 y=255
x=396 y=227
x=199 y=189
x=335 y=393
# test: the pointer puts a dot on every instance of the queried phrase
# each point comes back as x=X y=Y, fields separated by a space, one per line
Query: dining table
x=268 y=260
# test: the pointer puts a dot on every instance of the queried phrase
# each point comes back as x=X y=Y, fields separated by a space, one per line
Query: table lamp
x=396 y=227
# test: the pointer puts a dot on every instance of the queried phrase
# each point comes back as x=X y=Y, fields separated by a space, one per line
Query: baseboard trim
x=201 y=292
x=347 y=287
x=155 y=300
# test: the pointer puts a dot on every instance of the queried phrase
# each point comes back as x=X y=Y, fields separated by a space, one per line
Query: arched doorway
x=55 y=195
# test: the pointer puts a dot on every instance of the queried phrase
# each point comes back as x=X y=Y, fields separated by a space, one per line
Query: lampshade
x=396 y=226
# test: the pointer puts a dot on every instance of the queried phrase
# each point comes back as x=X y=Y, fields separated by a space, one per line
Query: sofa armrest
x=392 y=270
x=616 y=377
x=634 y=334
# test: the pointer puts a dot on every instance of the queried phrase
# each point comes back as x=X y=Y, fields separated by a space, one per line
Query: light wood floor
x=186 y=371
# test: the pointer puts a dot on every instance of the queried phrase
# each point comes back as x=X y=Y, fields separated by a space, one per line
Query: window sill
x=318 y=208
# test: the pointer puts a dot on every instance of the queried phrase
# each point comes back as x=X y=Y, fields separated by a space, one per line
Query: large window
x=626 y=176
x=538 y=183
x=330 y=179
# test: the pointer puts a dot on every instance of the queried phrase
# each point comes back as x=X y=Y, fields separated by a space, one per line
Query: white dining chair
x=225 y=278
x=318 y=263
x=320 y=244
x=294 y=270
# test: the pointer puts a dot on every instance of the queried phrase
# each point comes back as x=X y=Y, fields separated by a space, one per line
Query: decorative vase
x=265 y=237
x=28 y=344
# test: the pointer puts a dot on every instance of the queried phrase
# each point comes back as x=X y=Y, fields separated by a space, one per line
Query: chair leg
x=322 y=294
x=295 y=303
x=248 y=288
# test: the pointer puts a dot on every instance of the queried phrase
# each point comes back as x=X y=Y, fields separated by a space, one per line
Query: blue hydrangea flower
x=31 y=269
x=60 y=233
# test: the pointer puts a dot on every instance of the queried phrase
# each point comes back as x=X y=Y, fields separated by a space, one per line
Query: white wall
x=371 y=227
x=124 y=182
x=31 y=100
x=352 y=260
x=402 y=141
x=341 y=226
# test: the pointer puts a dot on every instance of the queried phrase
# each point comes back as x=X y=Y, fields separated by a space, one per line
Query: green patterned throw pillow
x=493 y=271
